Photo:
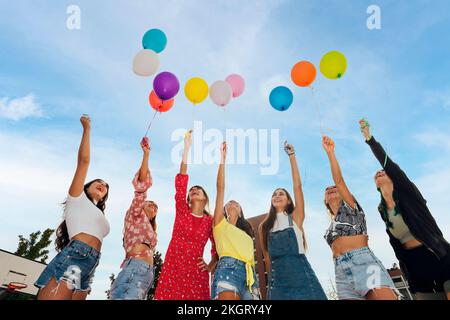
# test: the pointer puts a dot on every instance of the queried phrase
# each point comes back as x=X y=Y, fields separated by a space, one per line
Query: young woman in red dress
x=185 y=275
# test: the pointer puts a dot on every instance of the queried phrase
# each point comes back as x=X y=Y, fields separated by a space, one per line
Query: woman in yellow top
x=234 y=278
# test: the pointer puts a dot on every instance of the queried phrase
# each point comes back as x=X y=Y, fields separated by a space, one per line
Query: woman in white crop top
x=79 y=237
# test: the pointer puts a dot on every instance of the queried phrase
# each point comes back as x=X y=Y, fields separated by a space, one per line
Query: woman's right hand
x=328 y=144
x=188 y=139
x=145 y=145
x=365 y=129
x=85 y=122
x=223 y=152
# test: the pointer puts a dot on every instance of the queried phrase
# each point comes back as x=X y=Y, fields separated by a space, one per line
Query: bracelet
x=290 y=154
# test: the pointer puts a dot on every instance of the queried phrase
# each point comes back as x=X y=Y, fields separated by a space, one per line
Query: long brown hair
x=153 y=221
x=268 y=223
x=206 y=208
x=241 y=222
x=62 y=235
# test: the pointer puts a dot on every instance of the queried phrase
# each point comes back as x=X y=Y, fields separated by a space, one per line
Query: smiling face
x=150 y=209
x=383 y=180
x=197 y=193
x=97 y=190
x=280 y=200
x=232 y=211
x=332 y=196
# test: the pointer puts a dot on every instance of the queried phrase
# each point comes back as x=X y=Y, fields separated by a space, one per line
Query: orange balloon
x=160 y=105
x=303 y=73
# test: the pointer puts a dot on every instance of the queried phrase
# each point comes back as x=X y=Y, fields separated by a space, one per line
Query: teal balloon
x=155 y=40
x=281 y=98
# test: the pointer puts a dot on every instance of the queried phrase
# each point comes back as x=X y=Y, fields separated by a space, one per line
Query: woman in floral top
x=185 y=276
x=139 y=239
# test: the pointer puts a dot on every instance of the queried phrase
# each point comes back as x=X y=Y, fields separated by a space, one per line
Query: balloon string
x=318 y=110
x=151 y=121
x=225 y=121
x=193 y=116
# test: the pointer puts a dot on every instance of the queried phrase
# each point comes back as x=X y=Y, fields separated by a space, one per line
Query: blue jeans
x=231 y=276
x=133 y=282
x=358 y=272
x=75 y=264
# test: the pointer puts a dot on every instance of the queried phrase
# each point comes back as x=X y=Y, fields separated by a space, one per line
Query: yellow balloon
x=333 y=65
x=196 y=90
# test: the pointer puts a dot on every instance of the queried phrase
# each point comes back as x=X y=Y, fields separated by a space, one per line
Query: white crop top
x=82 y=216
x=282 y=222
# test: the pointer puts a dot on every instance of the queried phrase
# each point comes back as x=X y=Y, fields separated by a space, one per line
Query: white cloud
x=20 y=108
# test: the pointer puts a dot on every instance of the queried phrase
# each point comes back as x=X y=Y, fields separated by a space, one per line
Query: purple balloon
x=166 y=85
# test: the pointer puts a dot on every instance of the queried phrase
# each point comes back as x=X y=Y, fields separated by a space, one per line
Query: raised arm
x=299 y=206
x=84 y=158
x=187 y=147
x=144 y=171
x=393 y=170
x=218 y=211
x=142 y=182
x=328 y=146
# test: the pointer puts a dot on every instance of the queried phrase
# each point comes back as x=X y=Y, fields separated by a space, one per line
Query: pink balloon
x=237 y=84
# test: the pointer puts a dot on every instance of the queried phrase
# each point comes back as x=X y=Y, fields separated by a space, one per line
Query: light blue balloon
x=281 y=98
x=155 y=40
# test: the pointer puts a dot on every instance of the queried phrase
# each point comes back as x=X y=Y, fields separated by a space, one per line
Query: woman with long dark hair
x=139 y=238
x=234 y=278
x=417 y=240
x=185 y=275
x=79 y=237
x=360 y=275
x=284 y=245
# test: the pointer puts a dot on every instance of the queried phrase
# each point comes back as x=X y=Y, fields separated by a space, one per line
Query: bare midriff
x=89 y=240
x=139 y=249
x=345 y=244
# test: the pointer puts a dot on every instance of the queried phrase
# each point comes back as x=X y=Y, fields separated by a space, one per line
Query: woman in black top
x=424 y=254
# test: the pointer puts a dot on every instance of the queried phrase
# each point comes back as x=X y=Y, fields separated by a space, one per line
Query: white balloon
x=146 y=63
x=220 y=93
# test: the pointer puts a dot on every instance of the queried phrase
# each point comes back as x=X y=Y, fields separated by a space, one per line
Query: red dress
x=181 y=278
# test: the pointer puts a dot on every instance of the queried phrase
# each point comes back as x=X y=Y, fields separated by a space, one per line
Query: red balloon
x=158 y=104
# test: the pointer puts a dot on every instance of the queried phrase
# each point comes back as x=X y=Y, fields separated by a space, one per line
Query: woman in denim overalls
x=282 y=239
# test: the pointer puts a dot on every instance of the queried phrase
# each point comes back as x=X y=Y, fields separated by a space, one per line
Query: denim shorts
x=358 y=272
x=133 y=282
x=75 y=264
x=231 y=275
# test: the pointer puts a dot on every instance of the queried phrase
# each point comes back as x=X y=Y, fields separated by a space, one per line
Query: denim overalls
x=291 y=276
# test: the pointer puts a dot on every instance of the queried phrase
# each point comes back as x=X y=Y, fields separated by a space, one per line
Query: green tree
x=35 y=247
x=158 y=264
x=112 y=277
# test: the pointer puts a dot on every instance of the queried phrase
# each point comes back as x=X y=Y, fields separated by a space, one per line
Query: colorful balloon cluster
x=332 y=65
x=146 y=62
x=220 y=92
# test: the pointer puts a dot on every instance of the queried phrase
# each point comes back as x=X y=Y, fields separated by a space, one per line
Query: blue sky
x=397 y=77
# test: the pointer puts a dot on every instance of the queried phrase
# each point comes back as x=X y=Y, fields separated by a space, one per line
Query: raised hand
x=85 y=122
x=188 y=139
x=289 y=148
x=328 y=144
x=223 y=151
x=145 y=145
x=365 y=129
